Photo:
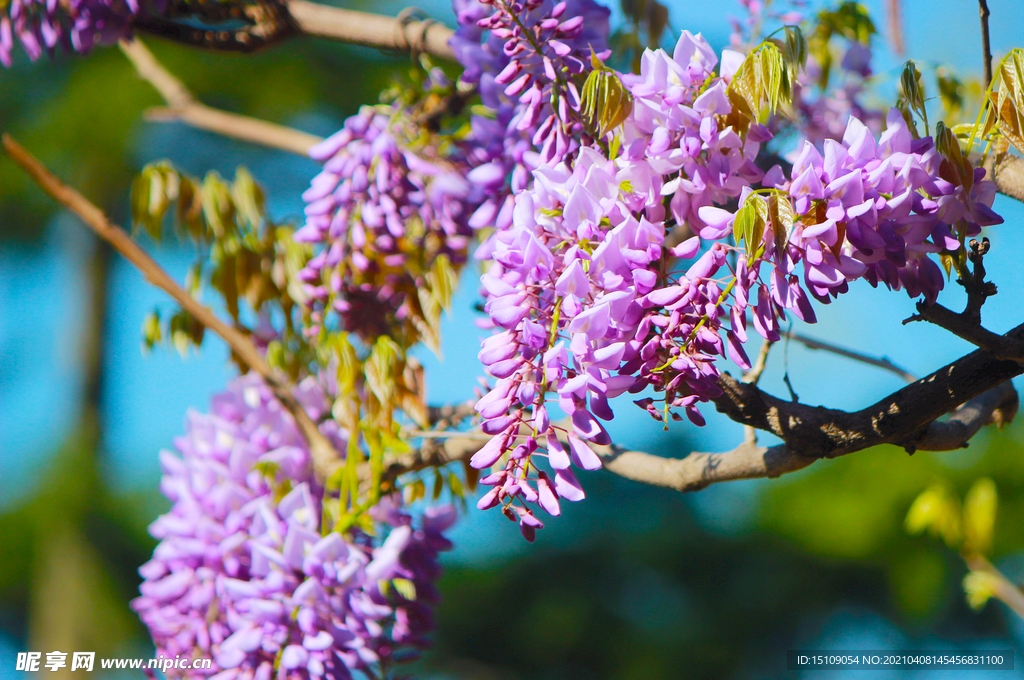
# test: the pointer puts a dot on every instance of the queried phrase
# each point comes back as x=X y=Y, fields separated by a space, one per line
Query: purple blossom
x=244 y=573
x=376 y=204
x=43 y=25
x=589 y=304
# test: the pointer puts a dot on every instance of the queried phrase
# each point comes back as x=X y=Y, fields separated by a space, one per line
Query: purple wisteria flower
x=590 y=303
x=244 y=573
x=43 y=25
x=381 y=214
x=521 y=57
x=586 y=312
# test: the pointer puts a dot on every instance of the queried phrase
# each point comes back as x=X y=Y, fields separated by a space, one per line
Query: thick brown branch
x=325 y=458
x=749 y=461
x=902 y=418
x=183 y=107
x=969 y=329
x=372 y=30
x=1008 y=174
x=271 y=22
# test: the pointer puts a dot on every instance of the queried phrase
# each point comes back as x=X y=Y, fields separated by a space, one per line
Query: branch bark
x=371 y=30
x=970 y=330
x=184 y=107
x=272 y=22
x=986 y=48
x=1008 y=174
x=749 y=461
x=325 y=458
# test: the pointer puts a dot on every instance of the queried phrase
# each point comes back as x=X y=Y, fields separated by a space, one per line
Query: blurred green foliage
x=644 y=587
x=83 y=116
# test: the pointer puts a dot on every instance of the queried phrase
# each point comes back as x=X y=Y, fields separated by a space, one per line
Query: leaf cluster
x=850 y=20
x=605 y=101
x=765 y=79
x=246 y=259
x=966 y=527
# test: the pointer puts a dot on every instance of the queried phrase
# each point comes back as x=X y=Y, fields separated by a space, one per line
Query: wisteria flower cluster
x=577 y=284
x=591 y=304
x=381 y=215
x=880 y=207
x=244 y=573
x=522 y=57
x=43 y=25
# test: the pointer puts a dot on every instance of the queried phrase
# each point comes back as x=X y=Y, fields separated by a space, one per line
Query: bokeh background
x=634 y=583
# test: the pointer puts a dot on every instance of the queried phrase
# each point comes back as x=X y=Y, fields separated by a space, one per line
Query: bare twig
x=432 y=434
x=970 y=330
x=895 y=27
x=372 y=30
x=446 y=416
x=985 y=46
x=882 y=362
x=183 y=107
x=325 y=458
x=752 y=376
x=967 y=324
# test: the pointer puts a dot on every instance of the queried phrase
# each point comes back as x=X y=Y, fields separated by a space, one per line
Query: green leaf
x=950 y=91
x=379 y=369
x=151 y=335
x=248 y=199
x=980 y=515
x=937 y=511
x=742 y=224
x=980 y=587
x=405 y=588
x=606 y=103
x=414 y=491
x=218 y=208
x=913 y=90
x=781 y=216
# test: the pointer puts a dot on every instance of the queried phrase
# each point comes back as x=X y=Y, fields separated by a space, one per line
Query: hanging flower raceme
x=587 y=310
x=43 y=25
x=383 y=217
x=522 y=58
x=592 y=304
x=244 y=573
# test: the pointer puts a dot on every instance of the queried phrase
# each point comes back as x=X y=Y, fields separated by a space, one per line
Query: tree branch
x=182 y=106
x=749 y=461
x=1007 y=173
x=986 y=48
x=372 y=30
x=325 y=458
x=970 y=330
x=884 y=363
x=274 y=21
x=907 y=418
x=902 y=418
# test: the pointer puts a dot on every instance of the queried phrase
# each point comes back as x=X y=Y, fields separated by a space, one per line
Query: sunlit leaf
x=980 y=515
